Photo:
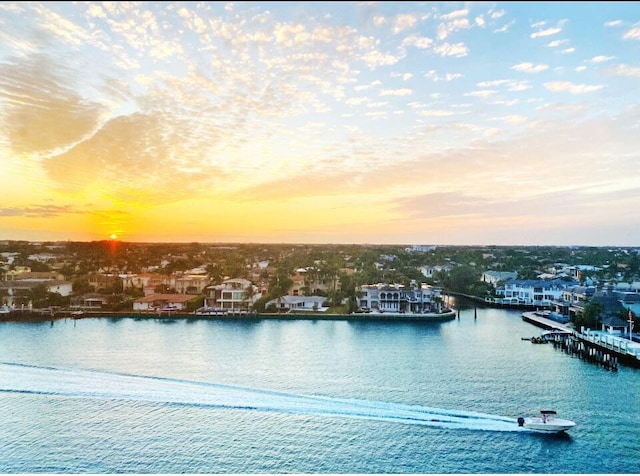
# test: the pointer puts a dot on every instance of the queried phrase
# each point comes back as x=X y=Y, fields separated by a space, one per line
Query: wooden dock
x=533 y=317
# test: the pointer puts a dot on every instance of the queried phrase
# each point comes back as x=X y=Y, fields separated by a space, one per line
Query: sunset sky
x=514 y=123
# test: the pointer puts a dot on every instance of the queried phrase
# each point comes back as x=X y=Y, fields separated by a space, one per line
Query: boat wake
x=21 y=378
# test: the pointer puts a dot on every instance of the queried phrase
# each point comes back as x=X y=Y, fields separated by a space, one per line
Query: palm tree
x=249 y=293
x=279 y=287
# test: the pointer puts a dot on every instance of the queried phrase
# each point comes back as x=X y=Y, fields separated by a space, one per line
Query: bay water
x=163 y=395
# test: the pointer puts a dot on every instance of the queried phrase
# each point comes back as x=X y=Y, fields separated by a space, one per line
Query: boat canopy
x=548 y=412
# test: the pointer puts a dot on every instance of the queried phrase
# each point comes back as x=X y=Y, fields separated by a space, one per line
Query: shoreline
x=27 y=317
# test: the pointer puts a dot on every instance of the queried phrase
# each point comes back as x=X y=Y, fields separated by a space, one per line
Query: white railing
x=613 y=342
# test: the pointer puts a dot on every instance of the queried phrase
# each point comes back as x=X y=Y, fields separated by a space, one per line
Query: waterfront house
x=91 y=301
x=298 y=303
x=532 y=292
x=572 y=301
x=231 y=295
x=397 y=298
x=19 y=291
x=163 y=302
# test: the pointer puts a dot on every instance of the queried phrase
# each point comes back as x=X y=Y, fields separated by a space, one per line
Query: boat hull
x=554 y=426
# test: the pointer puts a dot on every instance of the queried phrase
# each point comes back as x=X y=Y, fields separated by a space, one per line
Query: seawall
x=25 y=316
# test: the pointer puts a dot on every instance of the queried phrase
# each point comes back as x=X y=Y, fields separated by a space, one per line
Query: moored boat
x=210 y=311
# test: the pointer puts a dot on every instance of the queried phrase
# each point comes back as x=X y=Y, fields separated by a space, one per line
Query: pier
x=627 y=351
x=599 y=347
x=573 y=346
x=537 y=319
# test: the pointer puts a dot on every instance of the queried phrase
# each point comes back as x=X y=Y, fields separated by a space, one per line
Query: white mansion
x=532 y=292
x=396 y=298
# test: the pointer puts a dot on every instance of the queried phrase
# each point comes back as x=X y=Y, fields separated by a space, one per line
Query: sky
x=451 y=123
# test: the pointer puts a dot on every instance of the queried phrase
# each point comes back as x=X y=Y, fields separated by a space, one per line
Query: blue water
x=279 y=396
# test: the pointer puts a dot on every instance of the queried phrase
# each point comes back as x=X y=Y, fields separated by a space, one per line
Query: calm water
x=266 y=396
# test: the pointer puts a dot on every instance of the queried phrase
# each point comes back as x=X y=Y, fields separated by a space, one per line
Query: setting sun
x=113 y=236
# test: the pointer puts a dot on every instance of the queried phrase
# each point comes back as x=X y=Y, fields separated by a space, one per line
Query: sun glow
x=113 y=236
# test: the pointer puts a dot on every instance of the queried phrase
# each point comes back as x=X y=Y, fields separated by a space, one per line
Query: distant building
x=191 y=283
x=149 y=283
x=42 y=257
x=22 y=273
x=11 y=274
x=428 y=271
x=494 y=277
x=633 y=287
x=631 y=302
x=308 y=281
x=420 y=248
x=102 y=280
x=577 y=272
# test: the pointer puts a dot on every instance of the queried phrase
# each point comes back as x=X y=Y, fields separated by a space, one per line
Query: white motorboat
x=546 y=422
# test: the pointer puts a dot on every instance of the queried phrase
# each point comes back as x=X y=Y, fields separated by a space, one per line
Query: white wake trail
x=19 y=378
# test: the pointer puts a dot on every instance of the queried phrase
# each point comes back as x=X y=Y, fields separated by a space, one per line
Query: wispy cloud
x=633 y=33
x=625 y=70
x=613 y=23
x=38 y=211
x=446 y=49
x=602 y=59
x=546 y=32
x=404 y=22
x=434 y=76
x=572 y=88
x=396 y=92
x=220 y=115
x=530 y=67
